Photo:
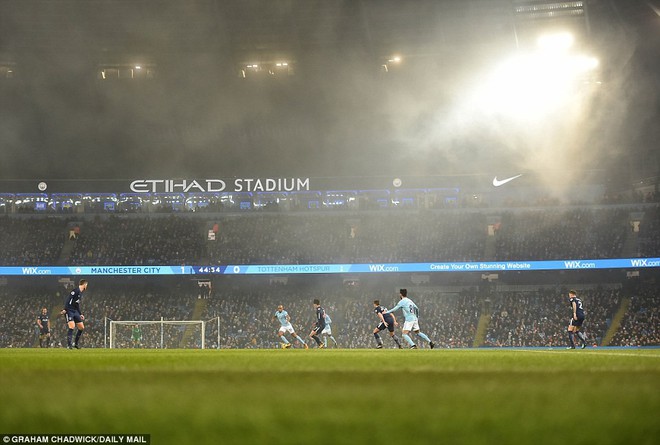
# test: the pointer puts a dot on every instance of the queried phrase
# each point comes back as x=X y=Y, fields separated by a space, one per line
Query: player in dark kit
x=74 y=318
x=387 y=321
x=577 y=319
x=44 y=329
x=319 y=325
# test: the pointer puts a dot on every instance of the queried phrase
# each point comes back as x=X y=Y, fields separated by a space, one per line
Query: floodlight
x=530 y=86
x=555 y=42
x=586 y=63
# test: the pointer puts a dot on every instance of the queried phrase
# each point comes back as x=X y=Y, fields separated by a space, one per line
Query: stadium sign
x=295 y=269
x=220 y=185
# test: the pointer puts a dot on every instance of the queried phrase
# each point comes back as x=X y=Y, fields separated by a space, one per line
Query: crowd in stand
x=31 y=241
x=242 y=317
x=136 y=241
x=641 y=325
x=18 y=317
x=368 y=237
x=575 y=234
x=532 y=318
x=649 y=233
x=524 y=318
x=287 y=239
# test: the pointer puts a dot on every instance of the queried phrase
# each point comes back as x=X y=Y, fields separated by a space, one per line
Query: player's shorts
x=317 y=329
x=327 y=330
x=44 y=331
x=73 y=316
x=411 y=326
x=382 y=327
x=577 y=323
x=287 y=328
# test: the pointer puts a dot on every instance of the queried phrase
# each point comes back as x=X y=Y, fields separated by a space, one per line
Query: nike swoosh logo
x=498 y=183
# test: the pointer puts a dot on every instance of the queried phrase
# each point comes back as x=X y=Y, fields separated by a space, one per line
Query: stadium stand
x=343 y=237
x=525 y=316
x=31 y=241
x=520 y=318
x=641 y=324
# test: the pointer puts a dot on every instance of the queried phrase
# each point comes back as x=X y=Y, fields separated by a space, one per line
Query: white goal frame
x=161 y=322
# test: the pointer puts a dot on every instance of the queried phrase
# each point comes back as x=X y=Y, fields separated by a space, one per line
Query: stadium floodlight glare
x=586 y=63
x=562 y=41
x=393 y=60
x=530 y=85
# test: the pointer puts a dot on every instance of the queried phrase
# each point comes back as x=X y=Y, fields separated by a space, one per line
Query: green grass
x=336 y=396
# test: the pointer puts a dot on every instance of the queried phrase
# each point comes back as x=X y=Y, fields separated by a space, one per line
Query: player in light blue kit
x=327 y=331
x=285 y=326
x=410 y=311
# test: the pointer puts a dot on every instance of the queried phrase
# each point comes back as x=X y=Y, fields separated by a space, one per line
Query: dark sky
x=340 y=114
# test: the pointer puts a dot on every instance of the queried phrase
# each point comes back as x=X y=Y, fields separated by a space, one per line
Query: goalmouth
x=157 y=334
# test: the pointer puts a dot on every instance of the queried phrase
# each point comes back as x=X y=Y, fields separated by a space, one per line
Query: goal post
x=213 y=333
x=157 y=334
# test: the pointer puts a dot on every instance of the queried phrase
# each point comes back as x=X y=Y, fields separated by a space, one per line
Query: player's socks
x=424 y=337
x=334 y=341
x=396 y=340
x=325 y=342
x=571 y=339
x=301 y=340
x=69 y=337
x=582 y=337
x=317 y=340
x=284 y=340
x=408 y=340
x=78 y=334
x=379 y=342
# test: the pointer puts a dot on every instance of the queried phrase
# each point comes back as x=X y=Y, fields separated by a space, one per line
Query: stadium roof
x=244 y=27
x=336 y=116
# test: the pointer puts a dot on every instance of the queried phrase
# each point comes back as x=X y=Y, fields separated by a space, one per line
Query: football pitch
x=546 y=396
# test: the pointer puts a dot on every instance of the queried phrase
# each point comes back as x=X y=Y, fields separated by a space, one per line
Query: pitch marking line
x=618 y=354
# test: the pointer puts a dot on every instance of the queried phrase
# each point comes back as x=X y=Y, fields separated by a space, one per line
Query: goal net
x=157 y=334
